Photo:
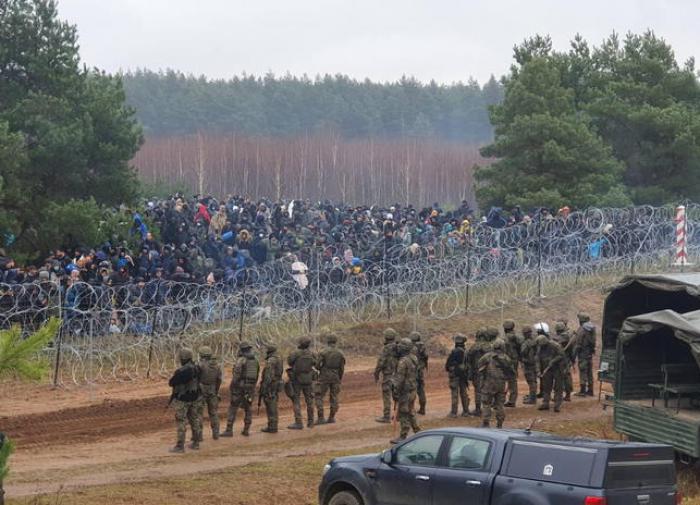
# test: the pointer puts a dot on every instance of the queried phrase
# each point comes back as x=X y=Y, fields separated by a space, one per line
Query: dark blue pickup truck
x=472 y=466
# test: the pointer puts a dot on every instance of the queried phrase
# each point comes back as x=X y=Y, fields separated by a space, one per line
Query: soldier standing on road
x=495 y=368
x=331 y=367
x=210 y=377
x=301 y=374
x=270 y=387
x=528 y=355
x=186 y=399
x=403 y=385
x=386 y=368
x=474 y=354
x=551 y=361
x=456 y=368
x=563 y=338
x=422 y=355
x=243 y=381
x=585 y=349
x=513 y=350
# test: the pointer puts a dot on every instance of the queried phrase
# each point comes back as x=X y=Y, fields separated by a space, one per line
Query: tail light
x=679 y=498
x=595 y=500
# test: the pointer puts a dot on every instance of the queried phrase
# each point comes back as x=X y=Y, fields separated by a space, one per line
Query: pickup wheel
x=345 y=498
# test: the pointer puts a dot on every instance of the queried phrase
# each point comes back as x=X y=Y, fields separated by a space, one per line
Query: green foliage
x=5 y=453
x=170 y=103
x=65 y=129
x=19 y=356
x=595 y=126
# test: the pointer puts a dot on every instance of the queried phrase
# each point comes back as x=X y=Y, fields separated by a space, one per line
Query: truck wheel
x=345 y=498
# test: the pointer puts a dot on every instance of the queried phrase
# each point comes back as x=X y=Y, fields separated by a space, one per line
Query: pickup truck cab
x=476 y=466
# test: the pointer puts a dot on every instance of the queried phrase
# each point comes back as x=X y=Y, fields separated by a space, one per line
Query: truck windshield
x=636 y=474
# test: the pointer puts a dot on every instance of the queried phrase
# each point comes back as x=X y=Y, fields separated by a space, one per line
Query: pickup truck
x=477 y=466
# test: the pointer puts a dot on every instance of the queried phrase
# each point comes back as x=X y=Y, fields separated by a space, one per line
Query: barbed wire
x=131 y=331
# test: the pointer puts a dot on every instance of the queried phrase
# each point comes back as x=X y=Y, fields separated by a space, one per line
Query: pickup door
x=465 y=477
x=408 y=480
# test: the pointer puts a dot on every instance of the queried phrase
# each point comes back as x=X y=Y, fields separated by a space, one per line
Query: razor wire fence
x=134 y=330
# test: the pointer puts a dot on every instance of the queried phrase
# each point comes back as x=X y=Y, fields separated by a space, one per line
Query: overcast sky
x=445 y=40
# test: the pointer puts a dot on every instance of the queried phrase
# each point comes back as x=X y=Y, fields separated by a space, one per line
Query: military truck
x=641 y=294
x=657 y=380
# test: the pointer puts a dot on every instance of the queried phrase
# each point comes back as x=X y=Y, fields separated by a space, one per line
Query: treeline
x=319 y=167
x=172 y=103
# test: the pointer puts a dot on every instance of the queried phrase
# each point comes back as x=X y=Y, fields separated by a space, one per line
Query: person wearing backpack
x=301 y=374
x=245 y=377
x=210 y=377
x=331 y=366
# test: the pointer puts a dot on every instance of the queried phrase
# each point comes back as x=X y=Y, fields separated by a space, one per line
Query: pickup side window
x=422 y=451
x=468 y=453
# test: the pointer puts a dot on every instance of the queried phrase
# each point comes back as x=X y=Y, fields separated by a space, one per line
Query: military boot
x=178 y=449
x=296 y=426
x=452 y=415
x=529 y=400
x=229 y=431
x=383 y=419
x=582 y=392
x=544 y=406
x=246 y=431
x=477 y=412
x=567 y=397
x=215 y=434
x=589 y=391
x=509 y=404
x=269 y=429
x=310 y=423
x=421 y=411
x=499 y=423
x=321 y=420
x=194 y=445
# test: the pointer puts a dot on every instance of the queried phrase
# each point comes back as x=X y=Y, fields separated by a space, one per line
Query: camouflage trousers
x=210 y=400
x=407 y=414
x=420 y=392
x=585 y=373
x=459 y=393
x=386 y=398
x=333 y=392
x=553 y=380
x=493 y=400
x=240 y=398
x=476 y=382
x=188 y=412
x=270 y=401
x=530 y=372
x=567 y=381
x=307 y=391
x=513 y=385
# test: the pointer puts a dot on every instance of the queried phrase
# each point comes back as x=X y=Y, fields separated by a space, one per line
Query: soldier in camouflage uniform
x=513 y=344
x=474 y=354
x=562 y=336
x=551 y=361
x=302 y=375
x=243 y=381
x=495 y=368
x=386 y=368
x=210 y=377
x=270 y=386
x=457 y=372
x=186 y=398
x=585 y=350
x=528 y=355
x=422 y=355
x=403 y=386
x=331 y=367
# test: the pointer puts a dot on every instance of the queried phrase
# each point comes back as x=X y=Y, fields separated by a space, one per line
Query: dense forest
x=172 y=103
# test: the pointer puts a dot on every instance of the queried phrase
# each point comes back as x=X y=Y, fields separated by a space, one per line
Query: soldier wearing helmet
x=513 y=344
x=585 y=350
x=302 y=375
x=270 y=386
x=457 y=373
x=210 y=381
x=403 y=385
x=243 y=380
x=528 y=356
x=552 y=363
x=494 y=369
x=331 y=367
x=563 y=337
x=474 y=354
x=422 y=355
x=386 y=368
x=186 y=397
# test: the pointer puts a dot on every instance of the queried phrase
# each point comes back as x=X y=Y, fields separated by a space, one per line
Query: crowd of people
x=490 y=365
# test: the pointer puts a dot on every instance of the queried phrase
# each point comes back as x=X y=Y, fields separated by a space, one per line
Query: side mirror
x=387 y=457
